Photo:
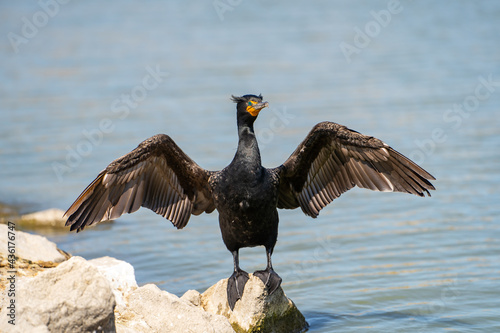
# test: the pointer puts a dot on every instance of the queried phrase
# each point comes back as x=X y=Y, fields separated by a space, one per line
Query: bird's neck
x=248 y=149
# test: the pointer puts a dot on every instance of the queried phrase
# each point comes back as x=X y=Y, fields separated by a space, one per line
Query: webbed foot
x=270 y=279
x=236 y=286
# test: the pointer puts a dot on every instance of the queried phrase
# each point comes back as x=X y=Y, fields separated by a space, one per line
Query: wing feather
x=333 y=159
x=157 y=175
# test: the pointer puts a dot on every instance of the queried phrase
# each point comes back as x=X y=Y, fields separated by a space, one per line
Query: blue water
x=417 y=79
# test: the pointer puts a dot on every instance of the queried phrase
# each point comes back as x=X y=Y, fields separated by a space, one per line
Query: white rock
x=73 y=297
x=50 y=217
x=153 y=310
x=193 y=297
x=30 y=247
x=256 y=311
x=120 y=274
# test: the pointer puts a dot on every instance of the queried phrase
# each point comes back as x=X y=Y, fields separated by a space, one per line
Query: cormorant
x=160 y=176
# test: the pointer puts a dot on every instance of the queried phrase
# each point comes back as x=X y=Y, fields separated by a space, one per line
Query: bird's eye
x=250 y=103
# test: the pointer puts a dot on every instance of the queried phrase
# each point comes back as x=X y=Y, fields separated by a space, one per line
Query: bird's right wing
x=157 y=175
x=333 y=159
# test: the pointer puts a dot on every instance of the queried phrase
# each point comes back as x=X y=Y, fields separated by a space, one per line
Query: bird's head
x=249 y=105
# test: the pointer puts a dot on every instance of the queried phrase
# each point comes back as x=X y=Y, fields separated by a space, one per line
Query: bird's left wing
x=157 y=175
x=333 y=159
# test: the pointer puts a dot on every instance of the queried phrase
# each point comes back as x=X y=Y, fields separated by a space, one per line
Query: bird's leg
x=236 y=282
x=269 y=276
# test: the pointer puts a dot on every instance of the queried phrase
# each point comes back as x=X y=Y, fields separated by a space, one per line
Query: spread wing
x=333 y=159
x=157 y=175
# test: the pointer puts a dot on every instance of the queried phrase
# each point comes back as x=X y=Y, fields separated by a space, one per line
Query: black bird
x=331 y=160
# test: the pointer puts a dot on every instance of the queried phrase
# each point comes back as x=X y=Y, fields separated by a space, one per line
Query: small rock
x=193 y=297
x=120 y=274
x=30 y=247
x=153 y=310
x=73 y=297
x=256 y=311
x=49 y=218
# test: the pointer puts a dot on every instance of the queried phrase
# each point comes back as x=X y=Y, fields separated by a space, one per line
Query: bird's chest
x=244 y=191
x=247 y=209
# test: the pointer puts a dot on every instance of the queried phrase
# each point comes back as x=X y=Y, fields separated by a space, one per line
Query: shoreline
x=70 y=293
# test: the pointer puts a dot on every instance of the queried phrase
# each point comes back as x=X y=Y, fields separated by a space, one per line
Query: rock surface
x=120 y=275
x=153 y=310
x=101 y=295
x=31 y=247
x=73 y=297
x=48 y=218
x=149 y=309
x=256 y=311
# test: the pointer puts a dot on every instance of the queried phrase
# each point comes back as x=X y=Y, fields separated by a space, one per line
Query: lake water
x=82 y=83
